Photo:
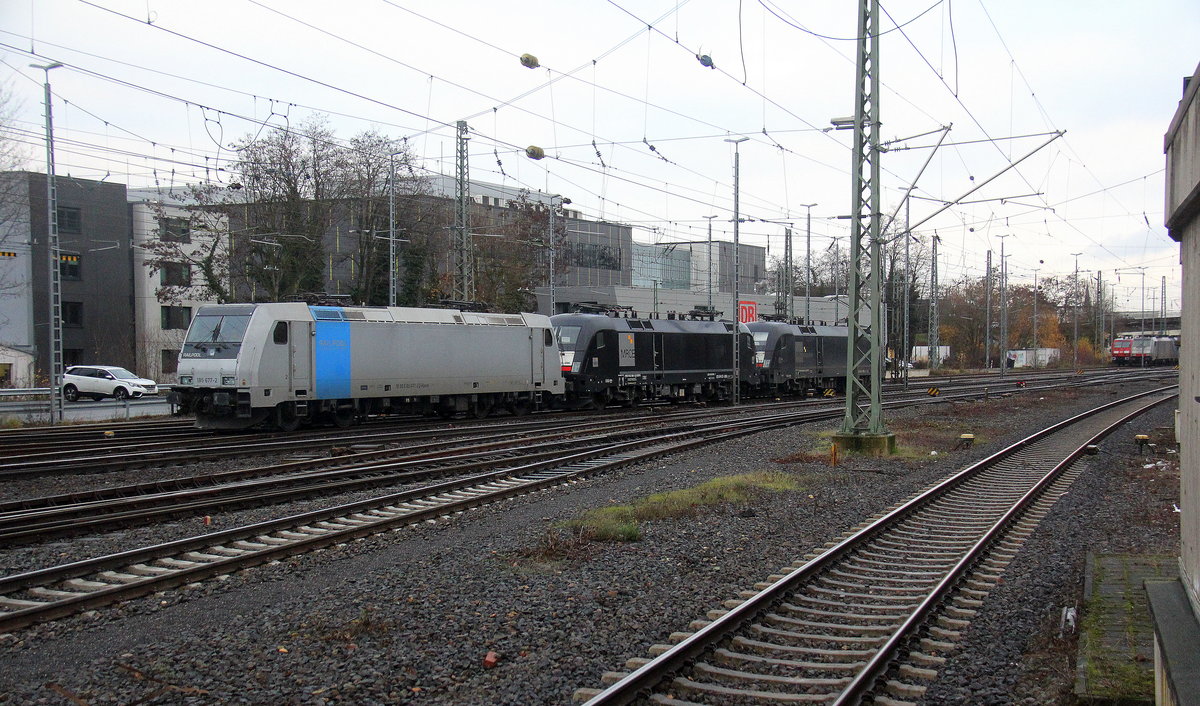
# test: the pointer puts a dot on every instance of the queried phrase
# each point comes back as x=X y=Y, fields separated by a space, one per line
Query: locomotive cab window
x=548 y=337
x=218 y=329
x=568 y=336
x=281 y=332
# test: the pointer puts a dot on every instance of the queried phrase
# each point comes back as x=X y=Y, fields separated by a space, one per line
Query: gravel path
x=411 y=616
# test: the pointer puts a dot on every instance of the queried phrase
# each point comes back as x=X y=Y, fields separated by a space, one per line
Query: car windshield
x=122 y=374
x=217 y=329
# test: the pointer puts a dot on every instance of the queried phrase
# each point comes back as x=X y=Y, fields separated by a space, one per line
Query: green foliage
x=620 y=523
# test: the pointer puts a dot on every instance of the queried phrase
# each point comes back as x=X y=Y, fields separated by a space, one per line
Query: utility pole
x=1162 y=303
x=737 y=310
x=907 y=294
x=808 y=263
x=1075 y=315
x=392 y=229
x=550 y=243
x=1143 y=288
x=464 y=252
x=54 y=354
x=935 y=351
x=987 y=314
x=1003 y=352
x=789 y=278
x=863 y=426
x=710 y=263
x=1035 y=317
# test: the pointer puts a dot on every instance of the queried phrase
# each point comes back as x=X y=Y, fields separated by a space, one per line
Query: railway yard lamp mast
x=54 y=353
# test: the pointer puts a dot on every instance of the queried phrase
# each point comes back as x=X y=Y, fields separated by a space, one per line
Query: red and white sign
x=747 y=311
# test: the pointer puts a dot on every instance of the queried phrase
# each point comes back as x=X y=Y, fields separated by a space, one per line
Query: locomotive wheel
x=481 y=408
x=519 y=408
x=343 y=416
x=286 y=418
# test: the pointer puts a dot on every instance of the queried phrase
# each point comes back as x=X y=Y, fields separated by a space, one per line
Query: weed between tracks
x=621 y=523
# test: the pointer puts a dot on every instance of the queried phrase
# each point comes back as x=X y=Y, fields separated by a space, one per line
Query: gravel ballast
x=412 y=615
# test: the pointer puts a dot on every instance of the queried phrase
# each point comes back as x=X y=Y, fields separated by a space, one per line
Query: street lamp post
x=737 y=317
x=54 y=362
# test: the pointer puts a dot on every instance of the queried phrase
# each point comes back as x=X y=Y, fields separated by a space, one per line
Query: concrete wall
x=1182 y=145
x=1177 y=674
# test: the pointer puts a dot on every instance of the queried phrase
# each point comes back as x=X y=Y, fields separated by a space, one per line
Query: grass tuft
x=620 y=523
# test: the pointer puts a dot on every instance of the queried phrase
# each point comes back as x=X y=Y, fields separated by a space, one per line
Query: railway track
x=55 y=592
x=360 y=467
x=58 y=591
x=105 y=454
x=869 y=616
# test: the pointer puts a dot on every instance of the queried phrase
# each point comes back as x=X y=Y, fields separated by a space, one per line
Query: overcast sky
x=155 y=91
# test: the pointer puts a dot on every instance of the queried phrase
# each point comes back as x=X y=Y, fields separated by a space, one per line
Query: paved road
x=36 y=411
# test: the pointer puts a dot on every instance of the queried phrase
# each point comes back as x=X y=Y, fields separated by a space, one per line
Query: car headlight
x=185 y=379
x=228 y=380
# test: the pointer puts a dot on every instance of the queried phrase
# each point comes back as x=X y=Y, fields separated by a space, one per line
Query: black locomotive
x=608 y=359
x=798 y=359
x=625 y=359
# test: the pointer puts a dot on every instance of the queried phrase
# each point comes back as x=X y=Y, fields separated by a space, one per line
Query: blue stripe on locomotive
x=331 y=355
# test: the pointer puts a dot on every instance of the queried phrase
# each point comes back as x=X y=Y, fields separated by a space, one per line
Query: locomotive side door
x=538 y=340
x=658 y=355
x=300 y=357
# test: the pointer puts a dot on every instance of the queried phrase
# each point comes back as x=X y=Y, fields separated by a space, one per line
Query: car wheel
x=120 y=394
x=71 y=393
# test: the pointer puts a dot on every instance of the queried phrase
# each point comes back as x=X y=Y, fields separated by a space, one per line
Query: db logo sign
x=747 y=312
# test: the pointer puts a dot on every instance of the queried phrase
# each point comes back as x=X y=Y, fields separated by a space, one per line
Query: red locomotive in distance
x=1145 y=350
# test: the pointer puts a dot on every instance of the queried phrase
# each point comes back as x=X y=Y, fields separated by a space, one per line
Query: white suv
x=100 y=381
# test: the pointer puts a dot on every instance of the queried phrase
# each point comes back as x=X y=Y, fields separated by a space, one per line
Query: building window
x=69 y=220
x=170 y=361
x=176 y=317
x=175 y=274
x=72 y=356
x=72 y=313
x=68 y=266
x=175 y=230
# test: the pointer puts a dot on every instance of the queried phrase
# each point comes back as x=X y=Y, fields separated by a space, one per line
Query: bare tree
x=14 y=203
x=198 y=241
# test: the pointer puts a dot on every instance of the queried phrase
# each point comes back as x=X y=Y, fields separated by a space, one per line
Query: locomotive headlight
x=228 y=380
x=185 y=379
